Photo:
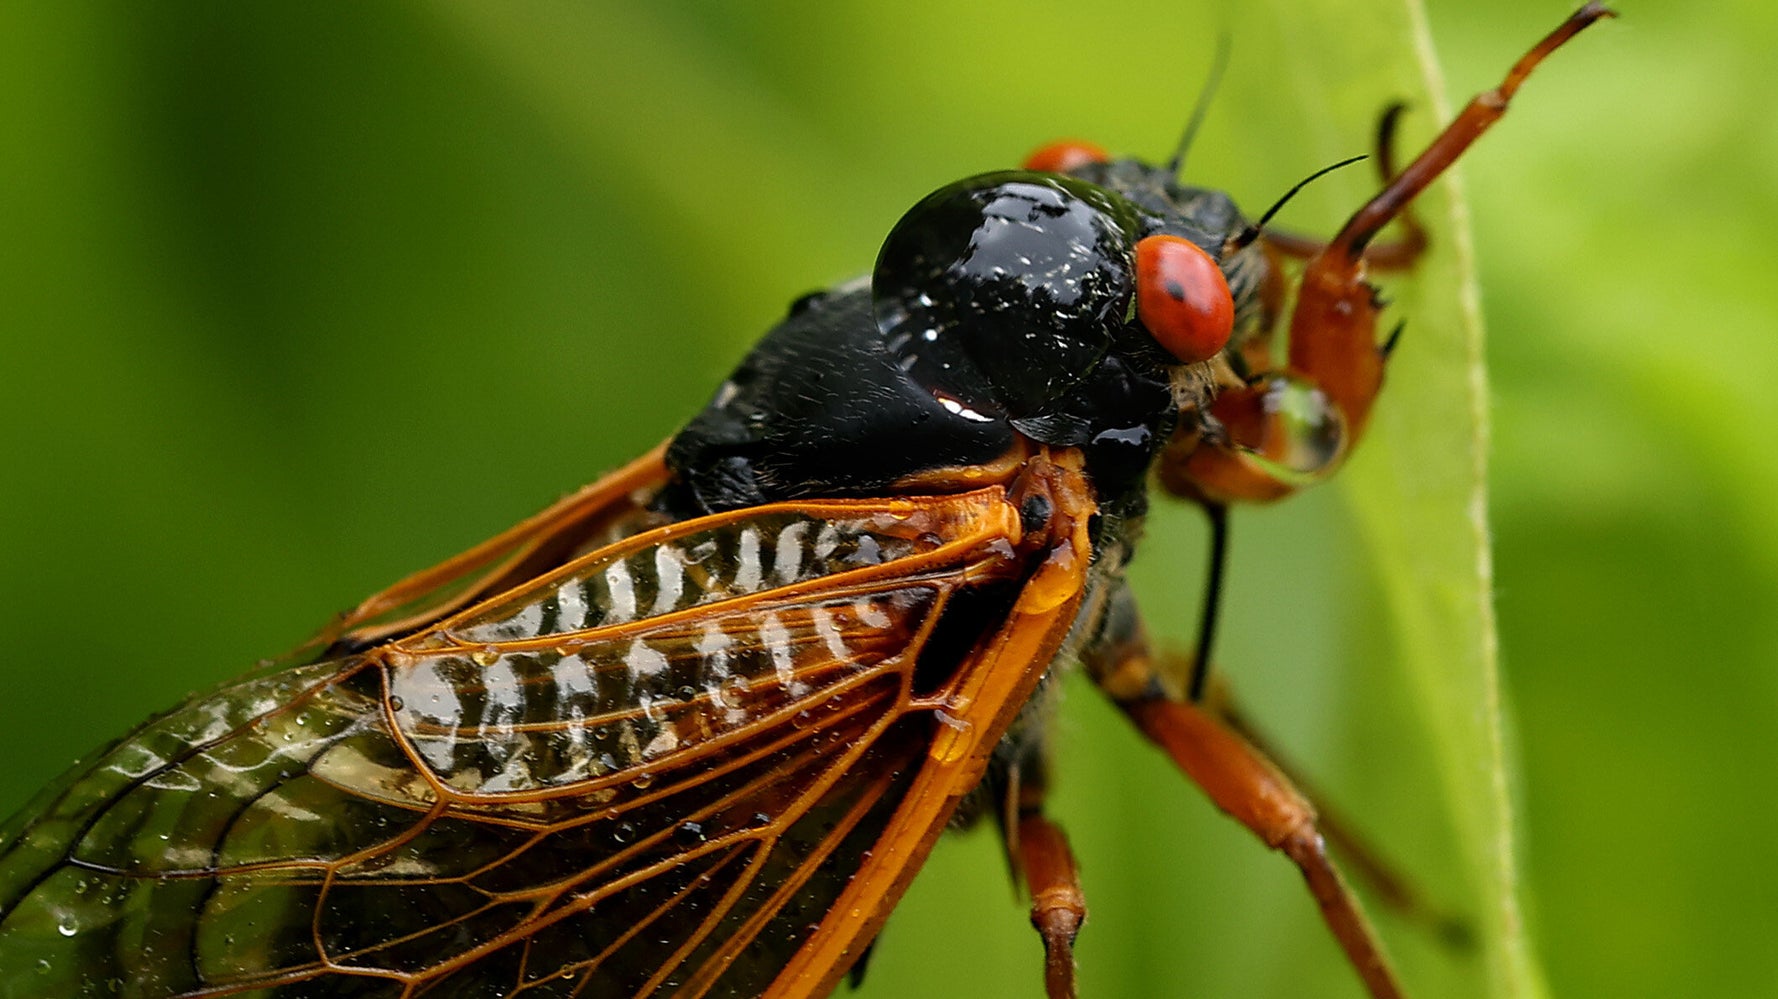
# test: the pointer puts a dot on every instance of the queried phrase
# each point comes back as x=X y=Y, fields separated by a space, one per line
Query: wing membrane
x=650 y=771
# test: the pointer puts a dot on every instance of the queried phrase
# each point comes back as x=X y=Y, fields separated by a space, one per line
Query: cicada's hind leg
x=1368 y=865
x=1038 y=852
x=1239 y=779
x=1291 y=427
x=1204 y=688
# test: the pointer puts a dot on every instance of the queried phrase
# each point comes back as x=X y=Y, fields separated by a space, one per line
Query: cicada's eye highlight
x=1065 y=156
x=1182 y=298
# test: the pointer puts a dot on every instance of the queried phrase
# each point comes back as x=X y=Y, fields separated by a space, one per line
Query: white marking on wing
x=830 y=634
x=427 y=696
x=669 y=571
x=747 y=576
x=643 y=660
x=776 y=639
x=571 y=605
x=527 y=623
x=826 y=541
x=713 y=646
x=575 y=681
x=504 y=698
x=788 y=566
x=623 y=592
x=869 y=613
x=665 y=742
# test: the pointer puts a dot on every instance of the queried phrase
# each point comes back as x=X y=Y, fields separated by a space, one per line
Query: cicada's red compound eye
x=1182 y=298
x=1066 y=156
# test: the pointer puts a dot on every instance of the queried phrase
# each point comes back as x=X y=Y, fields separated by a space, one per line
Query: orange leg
x=1239 y=780
x=1291 y=428
x=1245 y=785
x=1367 y=863
x=1057 y=905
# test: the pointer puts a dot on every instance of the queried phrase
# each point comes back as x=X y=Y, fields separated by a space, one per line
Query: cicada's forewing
x=110 y=877
x=658 y=770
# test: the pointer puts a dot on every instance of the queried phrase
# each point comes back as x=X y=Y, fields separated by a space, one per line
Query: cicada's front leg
x=1291 y=427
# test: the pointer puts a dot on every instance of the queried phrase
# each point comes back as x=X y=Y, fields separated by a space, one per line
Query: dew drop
x=67 y=927
x=733 y=692
x=397 y=704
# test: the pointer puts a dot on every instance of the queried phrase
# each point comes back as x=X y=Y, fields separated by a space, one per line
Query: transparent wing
x=652 y=771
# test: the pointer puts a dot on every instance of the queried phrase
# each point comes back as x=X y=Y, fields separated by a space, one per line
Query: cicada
x=692 y=730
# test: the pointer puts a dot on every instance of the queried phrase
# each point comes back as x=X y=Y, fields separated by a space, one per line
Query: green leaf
x=1360 y=626
x=312 y=303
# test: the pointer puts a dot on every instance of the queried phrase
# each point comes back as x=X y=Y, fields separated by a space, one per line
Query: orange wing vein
x=701 y=760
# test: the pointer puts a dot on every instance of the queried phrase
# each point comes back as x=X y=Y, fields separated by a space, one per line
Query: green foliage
x=295 y=305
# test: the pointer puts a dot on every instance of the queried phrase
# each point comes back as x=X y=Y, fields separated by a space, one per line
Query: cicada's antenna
x=1252 y=232
x=1218 y=63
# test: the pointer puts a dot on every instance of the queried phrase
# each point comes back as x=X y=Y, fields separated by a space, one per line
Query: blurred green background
x=292 y=304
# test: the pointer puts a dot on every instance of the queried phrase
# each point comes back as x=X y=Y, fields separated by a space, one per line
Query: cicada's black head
x=1075 y=310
